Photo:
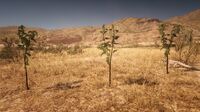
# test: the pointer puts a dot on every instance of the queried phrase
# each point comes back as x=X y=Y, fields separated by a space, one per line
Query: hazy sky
x=73 y=13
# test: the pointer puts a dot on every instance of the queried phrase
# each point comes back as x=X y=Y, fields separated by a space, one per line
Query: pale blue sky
x=73 y=13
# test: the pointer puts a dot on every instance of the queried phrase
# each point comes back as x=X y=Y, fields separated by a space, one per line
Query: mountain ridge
x=132 y=30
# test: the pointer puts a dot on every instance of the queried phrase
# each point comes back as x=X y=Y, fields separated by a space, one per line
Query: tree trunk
x=110 y=64
x=167 y=64
x=26 y=73
x=27 y=86
x=110 y=69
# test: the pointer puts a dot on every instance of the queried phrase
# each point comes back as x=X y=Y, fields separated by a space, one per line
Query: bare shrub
x=186 y=47
x=76 y=49
x=167 y=40
x=140 y=81
x=10 y=51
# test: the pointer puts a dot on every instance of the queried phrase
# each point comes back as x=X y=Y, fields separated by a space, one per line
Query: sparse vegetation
x=10 y=51
x=60 y=48
x=186 y=47
x=25 y=42
x=108 y=46
x=139 y=84
x=55 y=49
x=67 y=74
x=76 y=49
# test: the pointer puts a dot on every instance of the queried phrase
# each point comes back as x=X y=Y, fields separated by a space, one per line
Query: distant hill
x=11 y=31
x=133 y=31
x=191 y=20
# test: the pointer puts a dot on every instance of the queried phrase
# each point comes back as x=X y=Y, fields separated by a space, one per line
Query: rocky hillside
x=11 y=31
x=191 y=20
x=138 y=30
x=133 y=31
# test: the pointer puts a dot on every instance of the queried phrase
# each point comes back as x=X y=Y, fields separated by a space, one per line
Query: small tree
x=108 y=46
x=167 y=40
x=25 y=43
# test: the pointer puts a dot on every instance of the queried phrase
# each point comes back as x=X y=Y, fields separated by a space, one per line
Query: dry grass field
x=79 y=83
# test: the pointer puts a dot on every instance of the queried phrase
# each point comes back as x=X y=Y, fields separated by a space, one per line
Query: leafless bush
x=10 y=51
x=187 y=49
x=76 y=49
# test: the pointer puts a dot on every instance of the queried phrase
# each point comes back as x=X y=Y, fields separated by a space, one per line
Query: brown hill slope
x=132 y=30
x=71 y=35
x=11 y=31
x=191 y=19
x=138 y=30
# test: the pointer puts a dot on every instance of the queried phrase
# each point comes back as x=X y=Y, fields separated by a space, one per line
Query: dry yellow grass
x=139 y=84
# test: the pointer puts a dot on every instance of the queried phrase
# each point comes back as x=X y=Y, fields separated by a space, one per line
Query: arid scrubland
x=79 y=83
x=66 y=72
